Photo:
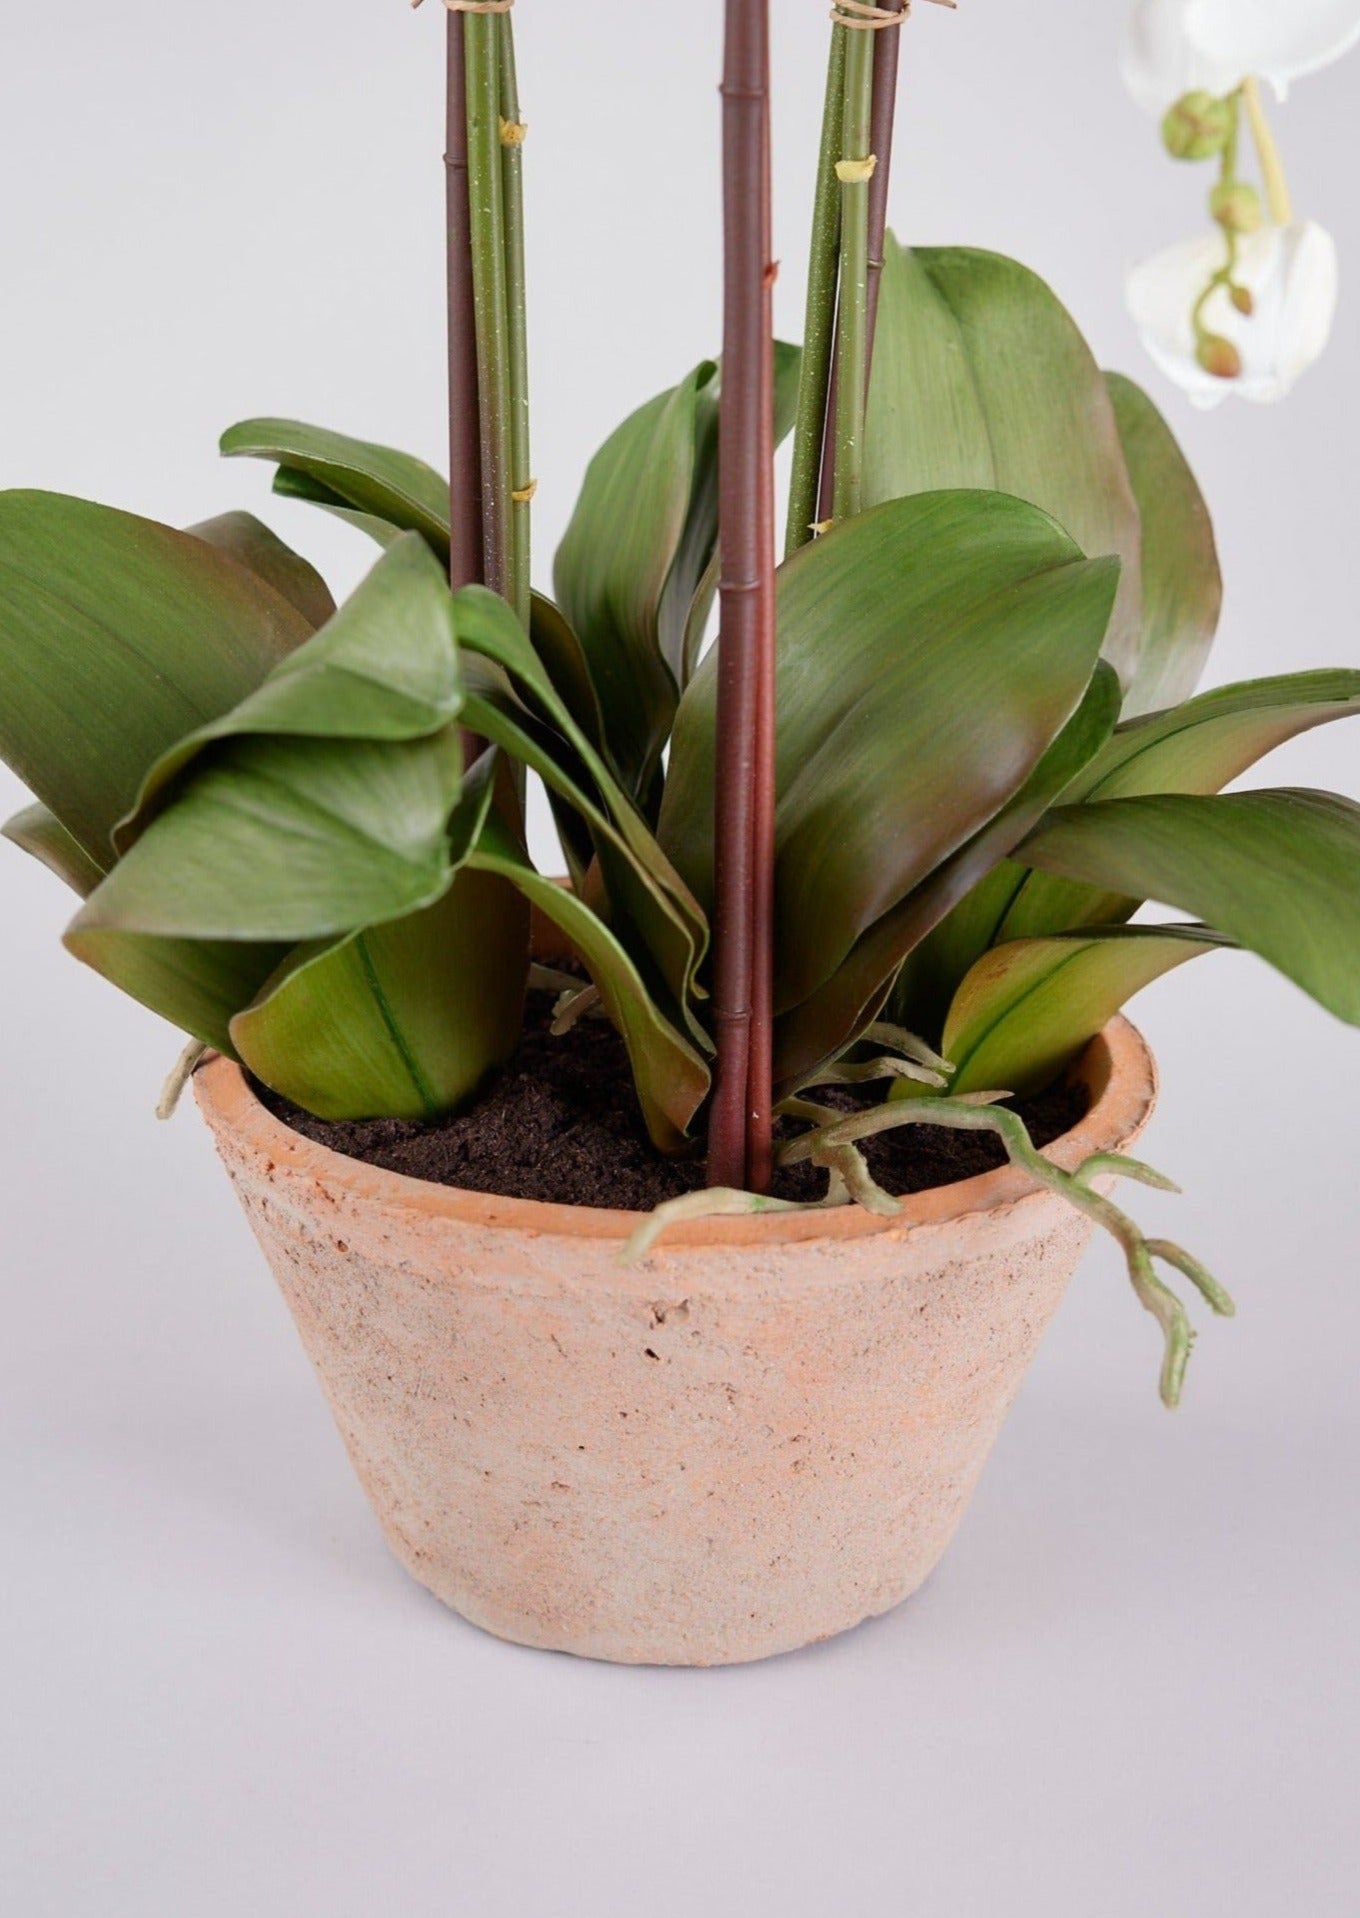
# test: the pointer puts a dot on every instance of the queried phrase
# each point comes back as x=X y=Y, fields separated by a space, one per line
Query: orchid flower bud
x=1219 y=357
x=1197 y=127
x=1236 y=205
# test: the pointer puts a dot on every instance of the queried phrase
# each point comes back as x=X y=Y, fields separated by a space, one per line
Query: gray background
x=1132 y=1687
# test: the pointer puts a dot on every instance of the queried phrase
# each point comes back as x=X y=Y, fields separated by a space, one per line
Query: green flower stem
x=486 y=199
x=819 y=332
x=1223 y=277
x=1227 y=177
x=1278 y=196
x=852 y=346
x=512 y=187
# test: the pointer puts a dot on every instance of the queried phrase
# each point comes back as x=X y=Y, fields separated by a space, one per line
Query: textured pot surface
x=759 y=1436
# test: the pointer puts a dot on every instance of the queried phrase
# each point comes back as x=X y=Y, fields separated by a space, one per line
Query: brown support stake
x=744 y=772
x=760 y=1072
x=887 y=47
x=465 y=442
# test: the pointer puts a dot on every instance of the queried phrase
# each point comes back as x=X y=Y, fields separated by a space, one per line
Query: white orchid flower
x=1173 y=47
x=1290 y=274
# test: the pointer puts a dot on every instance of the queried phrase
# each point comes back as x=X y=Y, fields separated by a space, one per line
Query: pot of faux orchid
x=671 y=1239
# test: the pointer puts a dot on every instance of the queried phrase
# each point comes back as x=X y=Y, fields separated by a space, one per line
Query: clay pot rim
x=1117 y=1067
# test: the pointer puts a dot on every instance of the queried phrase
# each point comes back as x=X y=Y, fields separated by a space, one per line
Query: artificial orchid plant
x=954 y=737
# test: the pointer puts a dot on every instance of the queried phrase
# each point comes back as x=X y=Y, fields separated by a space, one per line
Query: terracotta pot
x=761 y=1435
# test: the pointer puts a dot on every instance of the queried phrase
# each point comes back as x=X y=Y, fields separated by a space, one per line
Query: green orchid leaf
x=564 y=657
x=611 y=570
x=930 y=652
x=375 y=481
x=319 y=806
x=838 y=1012
x=981 y=379
x=637 y=555
x=255 y=546
x=1204 y=743
x=692 y=587
x=384 y=668
x=664 y=943
x=1028 y=1008
x=1197 y=747
x=1278 y=872
x=42 y=834
x=288 y=483
x=671 y=1077
x=564 y=660
x=196 y=985
x=289 y=839
x=117 y=637
x=403 y=1020
x=952 y=920
x=1182 y=584
x=644 y=888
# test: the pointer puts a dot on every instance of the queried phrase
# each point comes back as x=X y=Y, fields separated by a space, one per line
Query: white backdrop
x=1133 y=1685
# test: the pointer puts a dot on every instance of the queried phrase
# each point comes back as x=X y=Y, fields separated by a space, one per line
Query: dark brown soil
x=560 y=1123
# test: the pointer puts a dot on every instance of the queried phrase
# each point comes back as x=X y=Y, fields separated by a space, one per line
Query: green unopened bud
x=1198 y=126
x=1243 y=299
x=1236 y=206
x=1219 y=357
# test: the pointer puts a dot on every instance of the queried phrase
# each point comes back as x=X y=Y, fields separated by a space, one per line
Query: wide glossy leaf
x=1182 y=584
x=930 y=652
x=289 y=839
x=564 y=659
x=611 y=570
x=320 y=805
x=821 y=1026
x=196 y=985
x=951 y=920
x=1278 y=872
x=692 y=587
x=1028 y=1008
x=671 y=1077
x=42 y=834
x=1197 y=747
x=646 y=893
x=637 y=551
x=255 y=546
x=660 y=940
x=403 y=1020
x=376 y=481
x=117 y=637
x=1202 y=744
x=384 y=668
x=288 y=483
x=981 y=379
